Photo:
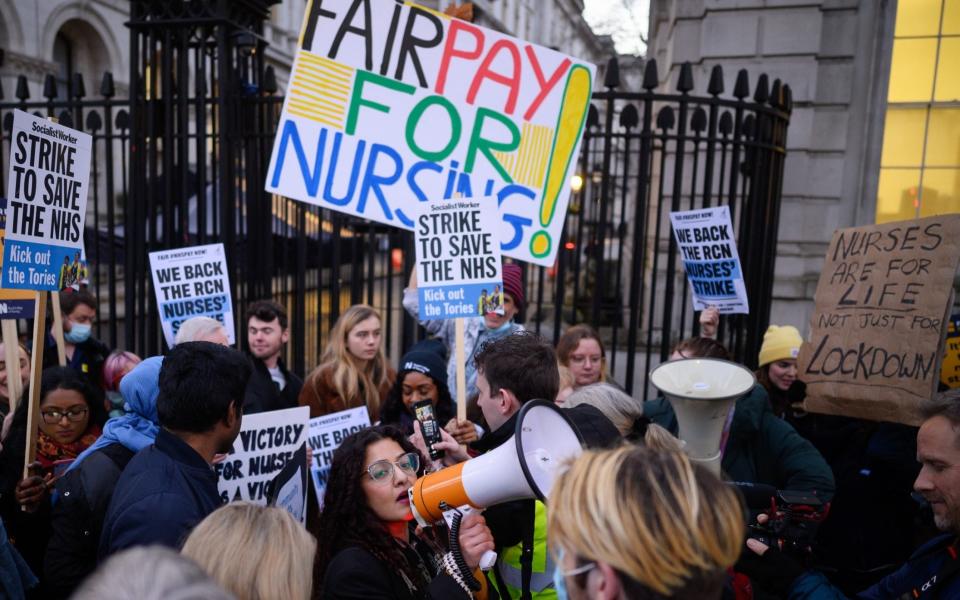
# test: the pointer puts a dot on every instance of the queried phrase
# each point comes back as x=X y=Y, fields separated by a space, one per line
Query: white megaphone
x=702 y=391
x=525 y=466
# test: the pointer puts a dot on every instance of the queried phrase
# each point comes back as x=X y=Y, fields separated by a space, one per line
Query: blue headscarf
x=137 y=428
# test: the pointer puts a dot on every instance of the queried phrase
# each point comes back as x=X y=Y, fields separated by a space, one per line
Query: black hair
x=266 y=311
x=69 y=300
x=393 y=408
x=198 y=381
x=522 y=363
x=347 y=519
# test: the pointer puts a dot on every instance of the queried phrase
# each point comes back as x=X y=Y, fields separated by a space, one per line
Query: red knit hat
x=513 y=283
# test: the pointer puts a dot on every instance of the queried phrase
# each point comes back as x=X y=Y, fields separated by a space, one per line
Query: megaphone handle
x=488 y=559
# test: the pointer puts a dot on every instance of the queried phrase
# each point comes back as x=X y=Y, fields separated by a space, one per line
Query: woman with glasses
x=581 y=352
x=71 y=416
x=368 y=547
x=634 y=523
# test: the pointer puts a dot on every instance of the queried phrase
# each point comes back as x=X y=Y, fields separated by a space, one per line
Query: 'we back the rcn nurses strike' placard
x=46 y=202
x=391 y=104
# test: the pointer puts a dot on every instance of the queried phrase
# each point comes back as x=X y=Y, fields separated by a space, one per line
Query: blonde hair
x=348 y=378
x=662 y=522
x=622 y=410
x=255 y=552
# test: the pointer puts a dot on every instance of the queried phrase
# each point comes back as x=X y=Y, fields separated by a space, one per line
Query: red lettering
x=485 y=72
x=545 y=85
x=450 y=50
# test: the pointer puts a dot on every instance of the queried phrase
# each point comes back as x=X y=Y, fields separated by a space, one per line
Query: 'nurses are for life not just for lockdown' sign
x=192 y=282
x=391 y=104
x=46 y=202
x=710 y=258
x=458 y=259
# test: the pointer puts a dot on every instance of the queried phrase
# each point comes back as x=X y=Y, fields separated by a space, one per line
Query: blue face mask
x=559 y=584
x=560 y=578
x=502 y=329
x=79 y=333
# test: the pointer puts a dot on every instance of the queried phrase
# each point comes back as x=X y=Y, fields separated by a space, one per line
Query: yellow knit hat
x=780 y=343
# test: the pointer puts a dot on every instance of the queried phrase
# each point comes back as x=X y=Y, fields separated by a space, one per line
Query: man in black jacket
x=272 y=386
x=169 y=487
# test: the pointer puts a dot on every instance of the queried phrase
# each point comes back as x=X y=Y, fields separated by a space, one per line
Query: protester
x=633 y=523
x=84 y=492
x=477 y=330
x=759 y=447
x=353 y=370
x=169 y=487
x=581 y=351
x=85 y=354
x=422 y=376
x=118 y=364
x=152 y=573
x=71 y=416
x=202 y=329
x=24 y=370
x=255 y=552
x=16 y=578
x=619 y=408
x=367 y=546
x=272 y=386
x=932 y=570
x=778 y=367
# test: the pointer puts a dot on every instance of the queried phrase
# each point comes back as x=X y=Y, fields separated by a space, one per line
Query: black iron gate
x=182 y=162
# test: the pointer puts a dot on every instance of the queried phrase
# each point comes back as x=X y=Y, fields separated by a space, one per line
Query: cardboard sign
x=326 y=434
x=950 y=368
x=192 y=282
x=14 y=304
x=458 y=259
x=710 y=259
x=46 y=202
x=288 y=490
x=391 y=104
x=267 y=442
x=879 y=319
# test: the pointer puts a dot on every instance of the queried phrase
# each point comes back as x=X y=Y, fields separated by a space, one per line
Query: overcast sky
x=625 y=20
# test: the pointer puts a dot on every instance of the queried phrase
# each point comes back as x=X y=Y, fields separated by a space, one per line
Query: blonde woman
x=353 y=370
x=254 y=552
x=639 y=523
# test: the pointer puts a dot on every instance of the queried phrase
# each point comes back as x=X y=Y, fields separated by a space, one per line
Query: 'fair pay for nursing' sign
x=192 y=282
x=709 y=251
x=458 y=259
x=391 y=104
x=46 y=202
x=267 y=441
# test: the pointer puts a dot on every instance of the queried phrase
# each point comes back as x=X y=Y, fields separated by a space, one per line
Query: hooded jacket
x=761 y=447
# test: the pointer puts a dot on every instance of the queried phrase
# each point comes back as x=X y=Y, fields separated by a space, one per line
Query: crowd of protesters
x=122 y=500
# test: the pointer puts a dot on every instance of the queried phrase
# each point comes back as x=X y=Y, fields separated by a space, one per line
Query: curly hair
x=393 y=406
x=347 y=519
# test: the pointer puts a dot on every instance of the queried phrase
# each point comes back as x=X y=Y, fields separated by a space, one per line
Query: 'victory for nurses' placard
x=46 y=202
x=391 y=104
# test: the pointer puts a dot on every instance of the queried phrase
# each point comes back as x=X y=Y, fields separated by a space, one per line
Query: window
x=63 y=57
x=920 y=161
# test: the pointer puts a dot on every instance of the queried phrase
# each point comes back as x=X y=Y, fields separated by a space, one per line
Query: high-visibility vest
x=541 y=576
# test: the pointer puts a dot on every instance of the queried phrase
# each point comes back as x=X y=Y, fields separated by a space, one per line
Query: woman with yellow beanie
x=778 y=366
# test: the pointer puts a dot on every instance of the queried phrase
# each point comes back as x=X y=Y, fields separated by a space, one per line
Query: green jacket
x=762 y=448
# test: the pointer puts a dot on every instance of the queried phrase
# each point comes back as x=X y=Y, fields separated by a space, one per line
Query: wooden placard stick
x=461 y=371
x=36 y=370
x=57 y=329
x=11 y=351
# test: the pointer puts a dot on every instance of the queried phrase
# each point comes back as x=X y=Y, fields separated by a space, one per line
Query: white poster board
x=192 y=282
x=46 y=202
x=708 y=248
x=394 y=106
x=326 y=434
x=458 y=259
x=267 y=441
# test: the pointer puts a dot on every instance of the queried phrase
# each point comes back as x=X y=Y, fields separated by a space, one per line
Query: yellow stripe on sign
x=432 y=11
x=320 y=89
x=527 y=163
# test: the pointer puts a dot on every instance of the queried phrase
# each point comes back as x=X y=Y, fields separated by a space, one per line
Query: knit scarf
x=50 y=451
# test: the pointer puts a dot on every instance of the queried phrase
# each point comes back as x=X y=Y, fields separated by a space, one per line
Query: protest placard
x=458 y=259
x=950 y=368
x=709 y=252
x=267 y=441
x=14 y=304
x=192 y=282
x=46 y=202
x=395 y=105
x=326 y=434
x=288 y=490
x=878 y=322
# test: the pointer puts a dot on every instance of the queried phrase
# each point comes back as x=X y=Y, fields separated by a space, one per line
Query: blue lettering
x=371 y=181
x=310 y=180
x=354 y=172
